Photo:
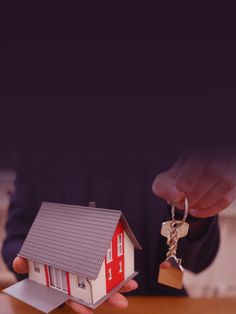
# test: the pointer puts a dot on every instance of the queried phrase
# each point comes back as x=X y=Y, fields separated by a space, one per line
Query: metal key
x=182 y=228
x=171 y=270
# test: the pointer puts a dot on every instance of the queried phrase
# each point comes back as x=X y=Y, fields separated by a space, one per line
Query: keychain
x=173 y=230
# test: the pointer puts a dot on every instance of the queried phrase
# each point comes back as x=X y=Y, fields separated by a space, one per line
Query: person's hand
x=116 y=300
x=209 y=183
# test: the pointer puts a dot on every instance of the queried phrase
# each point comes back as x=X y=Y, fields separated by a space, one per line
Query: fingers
x=164 y=184
x=129 y=286
x=207 y=179
x=79 y=308
x=215 y=208
x=217 y=193
x=117 y=300
x=164 y=187
x=20 y=265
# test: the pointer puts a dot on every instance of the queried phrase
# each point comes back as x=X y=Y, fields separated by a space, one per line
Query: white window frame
x=36 y=267
x=109 y=253
x=109 y=274
x=81 y=283
x=119 y=244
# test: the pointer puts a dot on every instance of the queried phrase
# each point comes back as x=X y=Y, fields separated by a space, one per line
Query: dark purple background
x=103 y=97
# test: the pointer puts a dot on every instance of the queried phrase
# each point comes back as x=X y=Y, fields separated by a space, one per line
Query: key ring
x=186 y=208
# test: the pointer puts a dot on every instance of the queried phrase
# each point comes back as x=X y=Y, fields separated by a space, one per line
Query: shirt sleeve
x=198 y=253
x=22 y=211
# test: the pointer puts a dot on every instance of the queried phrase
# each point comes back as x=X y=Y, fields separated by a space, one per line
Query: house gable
x=101 y=286
x=114 y=260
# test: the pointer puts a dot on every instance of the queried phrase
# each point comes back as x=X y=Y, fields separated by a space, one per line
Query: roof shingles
x=72 y=238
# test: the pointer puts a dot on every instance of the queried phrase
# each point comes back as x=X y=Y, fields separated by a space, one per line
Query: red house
x=74 y=252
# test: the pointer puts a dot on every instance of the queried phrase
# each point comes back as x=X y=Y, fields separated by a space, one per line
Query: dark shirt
x=115 y=181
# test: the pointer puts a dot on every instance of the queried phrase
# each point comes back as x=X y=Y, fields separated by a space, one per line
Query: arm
x=200 y=247
x=21 y=214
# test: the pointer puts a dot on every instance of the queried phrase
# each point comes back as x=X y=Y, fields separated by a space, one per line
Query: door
x=58 y=278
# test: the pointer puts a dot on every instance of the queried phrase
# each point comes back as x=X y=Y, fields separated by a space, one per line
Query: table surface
x=137 y=305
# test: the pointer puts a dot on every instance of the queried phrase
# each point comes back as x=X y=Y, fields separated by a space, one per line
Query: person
x=129 y=183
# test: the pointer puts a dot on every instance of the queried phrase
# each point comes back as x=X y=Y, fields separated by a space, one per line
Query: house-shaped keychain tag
x=80 y=253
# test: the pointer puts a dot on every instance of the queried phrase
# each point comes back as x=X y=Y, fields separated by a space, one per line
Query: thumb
x=20 y=265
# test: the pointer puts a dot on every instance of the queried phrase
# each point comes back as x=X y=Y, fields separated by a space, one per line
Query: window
x=119 y=245
x=120 y=267
x=36 y=267
x=109 y=253
x=81 y=283
x=109 y=274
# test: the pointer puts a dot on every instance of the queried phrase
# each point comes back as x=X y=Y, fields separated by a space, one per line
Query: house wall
x=112 y=267
x=84 y=294
x=129 y=256
x=99 y=285
x=35 y=276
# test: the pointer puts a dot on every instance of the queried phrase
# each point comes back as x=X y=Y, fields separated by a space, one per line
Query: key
x=171 y=270
x=182 y=228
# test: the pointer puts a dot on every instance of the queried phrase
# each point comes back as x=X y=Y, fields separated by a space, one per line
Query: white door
x=58 y=278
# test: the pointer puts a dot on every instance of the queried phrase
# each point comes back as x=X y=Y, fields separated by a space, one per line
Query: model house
x=79 y=253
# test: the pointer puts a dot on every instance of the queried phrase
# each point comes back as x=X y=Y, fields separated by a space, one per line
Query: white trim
x=109 y=253
x=109 y=274
x=99 y=284
x=119 y=244
x=128 y=256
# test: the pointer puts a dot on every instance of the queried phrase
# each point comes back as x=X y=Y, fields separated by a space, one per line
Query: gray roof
x=73 y=238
